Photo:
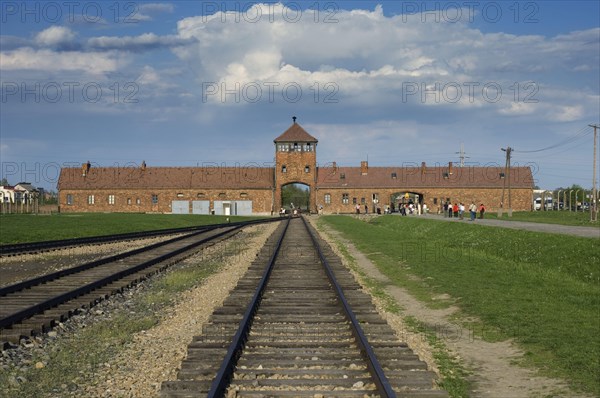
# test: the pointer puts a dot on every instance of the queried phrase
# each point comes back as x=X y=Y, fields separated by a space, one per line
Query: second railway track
x=295 y=328
x=36 y=305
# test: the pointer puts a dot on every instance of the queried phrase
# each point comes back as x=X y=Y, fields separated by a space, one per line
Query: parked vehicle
x=537 y=204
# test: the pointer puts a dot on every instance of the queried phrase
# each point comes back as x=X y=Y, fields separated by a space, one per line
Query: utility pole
x=594 y=205
x=506 y=177
x=461 y=154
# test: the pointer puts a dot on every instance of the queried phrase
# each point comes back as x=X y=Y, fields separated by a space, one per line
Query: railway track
x=40 y=247
x=35 y=306
x=299 y=326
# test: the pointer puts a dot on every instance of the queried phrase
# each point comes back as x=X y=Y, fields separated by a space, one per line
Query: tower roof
x=295 y=133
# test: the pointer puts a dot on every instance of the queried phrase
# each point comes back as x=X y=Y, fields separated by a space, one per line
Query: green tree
x=296 y=194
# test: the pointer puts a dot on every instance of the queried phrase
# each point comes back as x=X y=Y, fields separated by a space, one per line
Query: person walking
x=481 y=211
x=450 y=209
x=455 y=210
x=461 y=210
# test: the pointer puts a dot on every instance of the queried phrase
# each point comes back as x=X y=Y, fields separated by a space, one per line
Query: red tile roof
x=167 y=178
x=415 y=177
x=295 y=133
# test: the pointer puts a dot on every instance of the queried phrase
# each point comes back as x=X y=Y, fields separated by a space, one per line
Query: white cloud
x=145 y=11
x=55 y=36
x=51 y=61
x=145 y=41
x=371 y=56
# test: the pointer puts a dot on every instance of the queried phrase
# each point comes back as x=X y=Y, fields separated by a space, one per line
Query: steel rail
x=381 y=381
x=23 y=248
x=84 y=267
x=223 y=377
x=62 y=298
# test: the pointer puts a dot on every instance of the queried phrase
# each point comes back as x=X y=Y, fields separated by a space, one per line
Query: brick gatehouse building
x=245 y=190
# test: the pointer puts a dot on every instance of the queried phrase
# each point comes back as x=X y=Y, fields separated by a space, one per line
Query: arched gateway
x=296 y=161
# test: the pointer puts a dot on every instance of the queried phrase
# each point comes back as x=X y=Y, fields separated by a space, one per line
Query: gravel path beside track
x=156 y=354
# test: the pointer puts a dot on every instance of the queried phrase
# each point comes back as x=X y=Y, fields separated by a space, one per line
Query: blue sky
x=397 y=83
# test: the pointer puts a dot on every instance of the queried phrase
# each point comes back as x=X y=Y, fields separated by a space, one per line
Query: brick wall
x=140 y=201
x=434 y=198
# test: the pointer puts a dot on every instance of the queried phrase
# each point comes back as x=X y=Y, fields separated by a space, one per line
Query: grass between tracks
x=72 y=362
x=19 y=228
x=542 y=290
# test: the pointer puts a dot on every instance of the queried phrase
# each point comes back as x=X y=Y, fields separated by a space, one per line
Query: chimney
x=450 y=168
x=423 y=166
x=294 y=119
x=85 y=168
x=334 y=166
x=364 y=167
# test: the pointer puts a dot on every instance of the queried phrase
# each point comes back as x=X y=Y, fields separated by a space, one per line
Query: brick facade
x=333 y=189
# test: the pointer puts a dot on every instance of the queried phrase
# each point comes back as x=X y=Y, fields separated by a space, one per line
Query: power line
x=577 y=136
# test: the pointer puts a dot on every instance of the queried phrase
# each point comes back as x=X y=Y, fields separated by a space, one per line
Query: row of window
x=91 y=199
x=295 y=147
x=346 y=199
x=284 y=169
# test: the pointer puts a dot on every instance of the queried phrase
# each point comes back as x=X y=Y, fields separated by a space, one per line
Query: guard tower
x=296 y=161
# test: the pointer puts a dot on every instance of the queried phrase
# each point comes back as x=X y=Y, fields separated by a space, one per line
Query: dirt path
x=494 y=375
x=585 y=232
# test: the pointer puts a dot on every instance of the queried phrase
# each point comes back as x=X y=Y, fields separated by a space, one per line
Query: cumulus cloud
x=372 y=57
x=55 y=36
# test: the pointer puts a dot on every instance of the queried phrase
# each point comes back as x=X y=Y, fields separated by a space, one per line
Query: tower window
x=307 y=169
x=284 y=169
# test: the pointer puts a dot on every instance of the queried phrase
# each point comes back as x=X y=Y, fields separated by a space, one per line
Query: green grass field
x=540 y=289
x=17 y=228
x=548 y=217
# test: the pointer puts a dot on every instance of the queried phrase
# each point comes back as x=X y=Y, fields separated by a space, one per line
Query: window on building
x=90 y=199
x=243 y=195
x=435 y=201
x=138 y=201
x=327 y=199
x=394 y=176
x=297 y=148
x=284 y=168
x=307 y=169
x=222 y=195
x=180 y=195
x=375 y=198
x=154 y=199
x=128 y=201
x=362 y=201
x=111 y=199
x=345 y=198
x=69 y=199
x=354 y=201
x=342 y=176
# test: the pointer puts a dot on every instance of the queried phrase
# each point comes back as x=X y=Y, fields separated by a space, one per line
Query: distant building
x=22 y=193
x=249 y=189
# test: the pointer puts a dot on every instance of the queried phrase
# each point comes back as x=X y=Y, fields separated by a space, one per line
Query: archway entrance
x=405 y=199
x=295 y=196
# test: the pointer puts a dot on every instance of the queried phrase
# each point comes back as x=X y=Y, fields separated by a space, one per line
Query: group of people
x=458 y=209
